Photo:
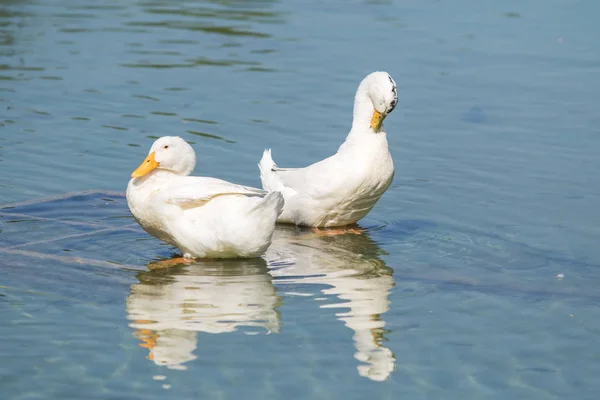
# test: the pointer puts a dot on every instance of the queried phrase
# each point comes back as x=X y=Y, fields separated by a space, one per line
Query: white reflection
x=168 y=307
x=350 y=265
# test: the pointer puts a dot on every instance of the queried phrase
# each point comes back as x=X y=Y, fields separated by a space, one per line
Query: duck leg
x=171 y=262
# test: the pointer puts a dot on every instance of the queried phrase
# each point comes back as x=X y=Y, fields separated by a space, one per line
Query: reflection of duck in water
x=350 y=264
x=169 y=307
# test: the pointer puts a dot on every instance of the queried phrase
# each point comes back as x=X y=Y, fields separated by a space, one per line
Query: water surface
x=478 y=273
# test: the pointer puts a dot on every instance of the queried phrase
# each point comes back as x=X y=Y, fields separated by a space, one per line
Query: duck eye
x=166 y=147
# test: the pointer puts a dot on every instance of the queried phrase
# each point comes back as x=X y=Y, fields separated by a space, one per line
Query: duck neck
x=363 y=112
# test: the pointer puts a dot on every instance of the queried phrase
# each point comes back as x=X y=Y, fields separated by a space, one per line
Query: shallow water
x=477 y=276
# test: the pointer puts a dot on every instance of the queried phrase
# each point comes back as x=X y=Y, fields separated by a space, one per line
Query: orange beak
x=376 y=121
x=146 y=166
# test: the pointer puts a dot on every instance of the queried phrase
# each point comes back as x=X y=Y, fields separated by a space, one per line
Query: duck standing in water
x=341 y=189
x=203 y=217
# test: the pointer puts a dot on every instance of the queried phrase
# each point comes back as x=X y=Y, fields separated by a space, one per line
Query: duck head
x=168 y=153
x=376 y=97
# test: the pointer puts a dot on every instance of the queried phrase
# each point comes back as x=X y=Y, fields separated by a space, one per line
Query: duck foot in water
x=171 y=262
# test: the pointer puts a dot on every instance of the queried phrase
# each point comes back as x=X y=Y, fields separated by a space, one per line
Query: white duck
x=341 y=189
x=203 y=217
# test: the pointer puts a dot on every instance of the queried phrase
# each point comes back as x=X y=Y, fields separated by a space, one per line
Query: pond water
x=478 y=275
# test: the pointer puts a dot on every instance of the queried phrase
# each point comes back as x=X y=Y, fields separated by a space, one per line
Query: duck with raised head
x=341 y=189
x=203 y=217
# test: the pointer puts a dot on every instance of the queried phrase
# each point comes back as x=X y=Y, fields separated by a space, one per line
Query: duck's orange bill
x=146 y=166
x=376 y=121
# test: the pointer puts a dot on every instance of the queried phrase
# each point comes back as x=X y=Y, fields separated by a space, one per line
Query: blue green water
x=478 y=276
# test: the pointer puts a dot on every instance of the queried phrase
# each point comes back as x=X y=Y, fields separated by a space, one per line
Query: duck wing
x=192 y=192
